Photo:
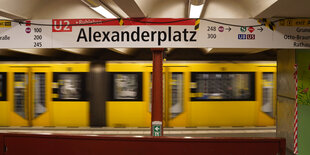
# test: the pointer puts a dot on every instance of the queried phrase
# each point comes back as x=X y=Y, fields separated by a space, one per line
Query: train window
x=20 y=83
x=127 y=86
x=69 y=87
x=176 y=86
x=39 y=94
x=3 y=86
x=268 y=95
x=222 y=86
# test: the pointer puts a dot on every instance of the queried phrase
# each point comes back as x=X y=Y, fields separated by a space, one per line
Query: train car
x=43 y=94
x=195 y=94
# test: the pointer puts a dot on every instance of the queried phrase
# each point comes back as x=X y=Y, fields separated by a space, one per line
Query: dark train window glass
x=127 y=86
x=3 y=90
x=268 y=95
x=222 y=86
x=69 y=87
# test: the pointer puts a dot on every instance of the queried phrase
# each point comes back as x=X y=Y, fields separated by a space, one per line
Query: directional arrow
x=157 y=128
x=228 y=29
x=260 y=29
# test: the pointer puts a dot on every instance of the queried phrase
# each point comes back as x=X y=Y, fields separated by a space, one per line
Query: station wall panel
x=286 y=82
x=286 y=96
x=302 y=60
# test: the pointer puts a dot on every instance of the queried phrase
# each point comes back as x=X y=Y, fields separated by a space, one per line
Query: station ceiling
x=64 y=9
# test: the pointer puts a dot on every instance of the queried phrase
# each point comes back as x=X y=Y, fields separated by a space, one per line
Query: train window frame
x=140 y=86
x=252 y=83
x=84 y=96
x=4 y=86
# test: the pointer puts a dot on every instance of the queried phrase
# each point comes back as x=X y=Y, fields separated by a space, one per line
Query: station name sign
x=138 y=35
x=155 y=33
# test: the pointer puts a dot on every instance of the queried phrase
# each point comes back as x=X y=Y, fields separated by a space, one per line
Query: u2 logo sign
x=60 y=25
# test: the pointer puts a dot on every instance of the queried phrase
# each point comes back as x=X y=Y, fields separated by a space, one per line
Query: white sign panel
x=155 y=33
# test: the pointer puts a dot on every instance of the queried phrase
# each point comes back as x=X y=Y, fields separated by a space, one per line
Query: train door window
x=69 y=87
x=3 y=87
x=39 y=93
x=222 y=86
x=268 y=94
x=176 y=88
x=127 y=86
x=20 y=83
x=174 y=92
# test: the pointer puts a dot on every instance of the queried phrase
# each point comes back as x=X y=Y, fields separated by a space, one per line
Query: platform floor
x=269 y=131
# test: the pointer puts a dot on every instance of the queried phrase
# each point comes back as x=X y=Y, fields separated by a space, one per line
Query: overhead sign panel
x=155 y=33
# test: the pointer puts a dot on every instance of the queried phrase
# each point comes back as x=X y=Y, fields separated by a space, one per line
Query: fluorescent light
x=104 y=12
x=209 y=50
x=33 y=51
x=127 y=51
x=195 y=11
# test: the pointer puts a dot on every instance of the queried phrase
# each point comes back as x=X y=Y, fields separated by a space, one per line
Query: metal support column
x=98 y=87
x=157 y=92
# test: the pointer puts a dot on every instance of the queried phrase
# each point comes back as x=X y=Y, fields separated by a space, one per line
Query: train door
x=267 y=96
x=30 y=96
x=174 y=95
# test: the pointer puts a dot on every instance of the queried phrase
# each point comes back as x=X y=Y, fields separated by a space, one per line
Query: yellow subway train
x=195 y=94
x=43 y=94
